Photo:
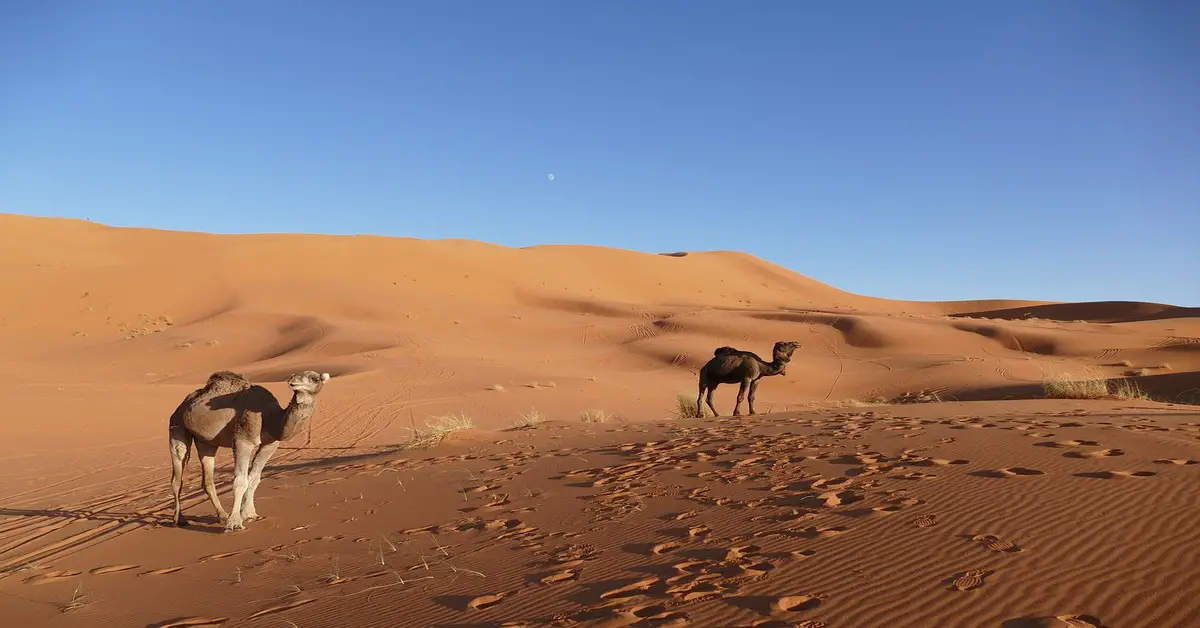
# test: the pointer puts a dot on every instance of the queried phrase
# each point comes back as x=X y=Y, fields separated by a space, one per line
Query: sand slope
x=991 y=510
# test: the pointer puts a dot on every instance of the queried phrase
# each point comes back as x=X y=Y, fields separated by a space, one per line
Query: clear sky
x=932 y=149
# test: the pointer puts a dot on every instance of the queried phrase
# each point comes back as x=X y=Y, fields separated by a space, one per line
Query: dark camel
x=734 y=366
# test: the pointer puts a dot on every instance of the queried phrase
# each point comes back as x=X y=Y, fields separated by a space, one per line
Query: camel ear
x=324 y=377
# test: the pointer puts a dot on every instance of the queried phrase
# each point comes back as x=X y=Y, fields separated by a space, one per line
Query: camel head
x=784 y=349
x=308 y=381
x=783 y=353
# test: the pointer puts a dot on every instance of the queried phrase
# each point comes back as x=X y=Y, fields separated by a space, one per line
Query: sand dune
x=837 y=507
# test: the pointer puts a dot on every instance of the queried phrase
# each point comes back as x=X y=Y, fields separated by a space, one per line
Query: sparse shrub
x=687 y=409
x=595 y=416
x=1091 y=385
x=529 y=420
x=927 y=395
x=496 y=388
x=438 y=428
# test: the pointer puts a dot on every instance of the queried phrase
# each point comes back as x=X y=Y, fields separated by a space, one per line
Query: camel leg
x=181 y=449
x=700 y=399
x=208 y=464
x=243 y=454
x=260 y=460
x=750 y=397
x=708 y=398
x=742 y=396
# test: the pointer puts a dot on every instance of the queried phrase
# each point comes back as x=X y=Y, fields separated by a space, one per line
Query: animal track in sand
x=1099 y=453
x=1007 y=472
x=996 y=544
x=641 y=587
x=212 y=557
x=1068 y=443
x=917 y=475
x=969 y=579
x=1115 y=475
x=279 y=608
x=1079 y=621
x=1178 y=461
x=164 y=571
x=566 y=575
x=925 y=521
x=663 y=548
x=112 y=569
x=795 y=603
x=485 y=601
x=191 y=622
x=50 y=576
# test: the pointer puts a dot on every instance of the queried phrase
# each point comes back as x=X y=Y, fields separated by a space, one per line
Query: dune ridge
x=917 y=464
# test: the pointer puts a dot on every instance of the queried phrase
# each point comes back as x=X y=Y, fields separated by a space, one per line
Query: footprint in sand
x=635 y=588
x=212 y=557
x=970 y=579
x=271 y=610
x=1178 y=461
x=50 y=576
x=567 y=575
x=1100 y=453
x=112 y=569
x=1068 y=443
x=925 y=521
x=485 y=601
x=191 y=622
x=663 y=548
x=996 y=544
x=1008 y=472
x=1079 y=621
x=795 y=603
x=1115 y=475
x=162 y=572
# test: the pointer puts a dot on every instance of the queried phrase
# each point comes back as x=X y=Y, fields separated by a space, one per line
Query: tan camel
x=231 y=412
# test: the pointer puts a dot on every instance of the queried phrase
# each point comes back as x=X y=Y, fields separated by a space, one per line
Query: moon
x=549 y=177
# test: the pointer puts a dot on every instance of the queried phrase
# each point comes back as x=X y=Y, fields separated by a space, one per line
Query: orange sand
x=993 y=508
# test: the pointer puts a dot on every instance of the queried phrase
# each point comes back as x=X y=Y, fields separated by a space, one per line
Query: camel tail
x=723 y=351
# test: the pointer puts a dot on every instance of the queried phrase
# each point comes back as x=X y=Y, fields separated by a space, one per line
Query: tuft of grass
x=1164 y=366
x=437 y=429
x=596 y=416
x=78 y=600
x=927 y=395
x=686 y=408
x=529 y=420
x=496 y=387
x=1125 y=364
x=1137 y=372
x=1091 y=385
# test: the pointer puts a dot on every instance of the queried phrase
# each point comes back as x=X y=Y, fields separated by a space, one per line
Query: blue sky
x=933 y=149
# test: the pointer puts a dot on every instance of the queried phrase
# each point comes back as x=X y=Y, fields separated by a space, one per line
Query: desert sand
x=909 y=469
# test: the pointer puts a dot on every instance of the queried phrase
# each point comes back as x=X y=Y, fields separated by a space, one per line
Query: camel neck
x=774 y=367
x=296 y=415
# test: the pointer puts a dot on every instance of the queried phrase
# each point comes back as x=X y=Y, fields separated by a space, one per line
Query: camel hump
x=723 y=351
x=227 y=379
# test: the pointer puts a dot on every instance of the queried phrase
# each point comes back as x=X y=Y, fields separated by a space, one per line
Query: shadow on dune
x=1182 y=388
x=102 y=516
x=1092 y=312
